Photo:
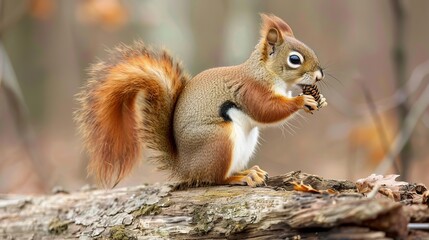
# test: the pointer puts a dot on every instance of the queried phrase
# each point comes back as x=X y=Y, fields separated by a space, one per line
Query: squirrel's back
x=202 y=96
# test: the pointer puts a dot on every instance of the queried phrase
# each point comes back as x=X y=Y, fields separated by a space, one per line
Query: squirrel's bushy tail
x=126 y=106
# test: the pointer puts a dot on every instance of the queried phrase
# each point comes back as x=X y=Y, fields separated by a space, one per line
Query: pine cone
x=312 y=90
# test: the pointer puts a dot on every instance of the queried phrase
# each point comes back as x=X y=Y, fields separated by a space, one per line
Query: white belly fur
x=244 y=137
x=245 y=131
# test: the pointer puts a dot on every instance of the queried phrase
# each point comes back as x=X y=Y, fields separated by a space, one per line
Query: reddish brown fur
x=222 y=149
x=213 y=157
x=114 y=125
x=117 y=126
x=266 y=107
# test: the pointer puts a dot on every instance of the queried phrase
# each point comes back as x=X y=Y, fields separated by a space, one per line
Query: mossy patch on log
x=146 y=210
x=120 y=233
x=56 y=226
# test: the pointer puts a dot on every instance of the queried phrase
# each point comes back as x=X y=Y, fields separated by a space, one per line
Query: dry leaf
x=425 y=198
x=388 y=186
x=365 y=185
x=307 y=188
x=390 y=194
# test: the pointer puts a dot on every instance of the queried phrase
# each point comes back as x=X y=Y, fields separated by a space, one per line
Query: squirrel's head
x=285 y=56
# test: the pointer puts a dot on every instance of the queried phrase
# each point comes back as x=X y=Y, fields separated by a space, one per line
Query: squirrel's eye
x=295 y=60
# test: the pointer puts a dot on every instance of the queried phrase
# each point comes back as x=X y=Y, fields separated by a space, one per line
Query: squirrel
x=203 y=129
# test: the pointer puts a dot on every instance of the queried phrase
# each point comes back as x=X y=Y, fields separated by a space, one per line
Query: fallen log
x=172 y=211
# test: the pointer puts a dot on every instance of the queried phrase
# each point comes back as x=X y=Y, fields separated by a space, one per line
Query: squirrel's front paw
x=322 y=102
x=310 y=104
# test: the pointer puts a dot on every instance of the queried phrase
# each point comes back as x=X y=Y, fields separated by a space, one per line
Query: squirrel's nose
x=319 y=74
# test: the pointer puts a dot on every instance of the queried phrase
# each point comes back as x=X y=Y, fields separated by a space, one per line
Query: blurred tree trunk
x=64 y=71
x=400 y=61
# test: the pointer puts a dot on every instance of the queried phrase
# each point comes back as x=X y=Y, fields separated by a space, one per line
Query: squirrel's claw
x=251 y=177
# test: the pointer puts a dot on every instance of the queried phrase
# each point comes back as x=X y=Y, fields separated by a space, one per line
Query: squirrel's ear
x=274 y=29
x=273 y=37
x=284 y=27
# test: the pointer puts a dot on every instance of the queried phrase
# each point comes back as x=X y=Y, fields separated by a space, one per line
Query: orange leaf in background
x=42 y=9
x=307 y=188
x=110 y=14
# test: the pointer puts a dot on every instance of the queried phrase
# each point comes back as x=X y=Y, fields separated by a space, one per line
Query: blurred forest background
x=376 y=54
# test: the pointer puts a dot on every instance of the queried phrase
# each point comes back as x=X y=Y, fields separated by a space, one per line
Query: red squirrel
x=202 y=129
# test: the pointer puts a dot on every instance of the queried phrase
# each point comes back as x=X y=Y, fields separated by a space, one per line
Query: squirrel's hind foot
x=252 y=177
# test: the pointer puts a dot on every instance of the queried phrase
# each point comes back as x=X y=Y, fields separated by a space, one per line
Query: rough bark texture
x=234 y=212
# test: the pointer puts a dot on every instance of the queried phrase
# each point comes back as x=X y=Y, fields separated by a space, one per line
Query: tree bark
x=172 y=211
